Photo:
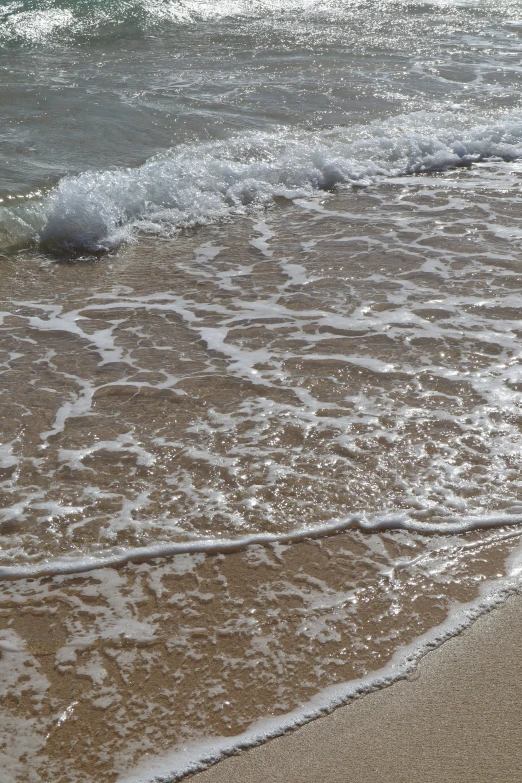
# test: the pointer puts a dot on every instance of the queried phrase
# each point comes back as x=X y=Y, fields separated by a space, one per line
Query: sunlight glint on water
x=260 y=273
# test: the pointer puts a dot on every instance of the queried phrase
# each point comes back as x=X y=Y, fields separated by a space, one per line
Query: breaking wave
x=196 y=184
x=36 y=22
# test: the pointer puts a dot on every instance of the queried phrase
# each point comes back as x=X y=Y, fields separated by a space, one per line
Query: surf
x=196 y=184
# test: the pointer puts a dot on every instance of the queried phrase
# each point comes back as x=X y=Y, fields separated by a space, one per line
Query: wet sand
x=458 y=718
x=254 y=379
x=103 y=671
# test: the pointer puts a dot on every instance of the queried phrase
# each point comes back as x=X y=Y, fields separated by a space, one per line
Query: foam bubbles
x=266 y=379
x=194 y=185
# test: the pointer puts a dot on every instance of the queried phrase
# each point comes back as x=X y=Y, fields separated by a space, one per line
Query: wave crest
x=43 y=21
x=200 y=183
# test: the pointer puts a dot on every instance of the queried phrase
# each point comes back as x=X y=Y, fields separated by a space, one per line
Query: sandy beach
x=108 y=676
x=458 y=718
x=282 y=387
x=260 y=391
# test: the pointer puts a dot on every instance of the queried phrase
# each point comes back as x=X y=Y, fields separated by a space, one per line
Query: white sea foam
x=110 y=556
x=211 y=407
x=284 y=382
x=45 y=21
x=118 y=638
x=197 y=184
x=187 y=758
x=38 y=21
x=21 y=672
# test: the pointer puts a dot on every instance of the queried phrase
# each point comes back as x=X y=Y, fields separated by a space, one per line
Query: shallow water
x=260 y=318
x=243 y=102
x=296 y=370
x=349 y=361
x=121 y=674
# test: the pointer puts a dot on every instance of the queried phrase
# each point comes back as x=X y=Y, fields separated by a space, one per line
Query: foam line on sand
x=457 y=718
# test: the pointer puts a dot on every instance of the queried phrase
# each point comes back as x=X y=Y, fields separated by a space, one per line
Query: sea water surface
x=260 y=272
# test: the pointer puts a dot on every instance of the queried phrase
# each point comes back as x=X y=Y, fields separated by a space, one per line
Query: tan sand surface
x=458 y=720
x=112 y=668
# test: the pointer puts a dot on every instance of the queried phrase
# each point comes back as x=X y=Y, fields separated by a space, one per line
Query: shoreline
x=157 y=670
x=455 y=717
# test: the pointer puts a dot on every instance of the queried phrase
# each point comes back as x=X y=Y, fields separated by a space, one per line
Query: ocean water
x=260 y=350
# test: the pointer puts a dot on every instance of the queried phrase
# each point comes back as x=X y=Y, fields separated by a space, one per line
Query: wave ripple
x=197 y=184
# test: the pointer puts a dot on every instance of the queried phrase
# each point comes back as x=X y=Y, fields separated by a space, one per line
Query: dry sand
x=458 y=719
